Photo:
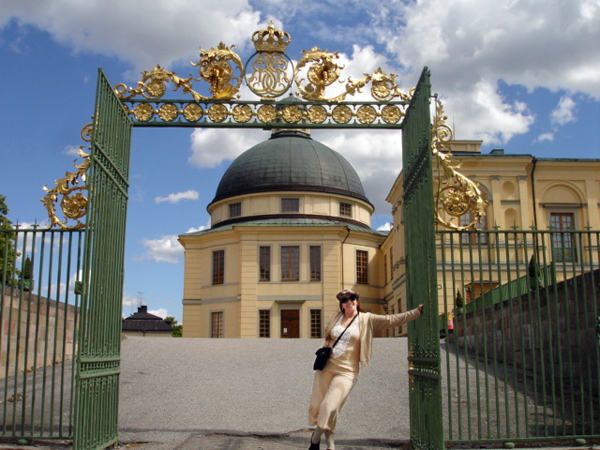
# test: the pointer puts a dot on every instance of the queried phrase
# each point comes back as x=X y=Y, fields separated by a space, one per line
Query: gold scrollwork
x=153 y=85
x=74 y=202
x=323 y=72
x=456 y=194
x=217 y=68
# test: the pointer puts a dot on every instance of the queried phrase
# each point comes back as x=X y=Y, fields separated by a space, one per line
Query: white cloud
x=164 y=249
x=533 y=44
x=165 y=32
x=564 y=112
x=545 y=137
x=385 y=227
x=161 y=312
x=176 y=198
x=210 y=147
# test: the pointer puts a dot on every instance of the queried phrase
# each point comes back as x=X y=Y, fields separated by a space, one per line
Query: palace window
x=563 y=246
x=235 y=209
x=315 y=263
x=290 y=205
x=218 y=267
x=265 y=264
x=473 y=237
x=316 y=323
x=362 y=267
x=290 y=263
x=345 y=209
x=264 y=323
x=216 y=321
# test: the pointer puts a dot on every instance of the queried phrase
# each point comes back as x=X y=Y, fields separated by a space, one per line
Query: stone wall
x=27 y=319
x=553 y=333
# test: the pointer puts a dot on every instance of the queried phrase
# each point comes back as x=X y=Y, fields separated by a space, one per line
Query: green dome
x=290 y=161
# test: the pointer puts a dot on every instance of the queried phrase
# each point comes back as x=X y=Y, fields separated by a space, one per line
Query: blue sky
x=519 y=75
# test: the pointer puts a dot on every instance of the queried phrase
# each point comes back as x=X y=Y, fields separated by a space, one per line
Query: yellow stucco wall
x=242 y=294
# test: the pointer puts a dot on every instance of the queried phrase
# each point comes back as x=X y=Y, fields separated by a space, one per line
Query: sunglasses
x=348 y=299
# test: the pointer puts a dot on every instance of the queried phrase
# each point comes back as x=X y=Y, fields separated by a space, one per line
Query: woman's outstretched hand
x=420 y=308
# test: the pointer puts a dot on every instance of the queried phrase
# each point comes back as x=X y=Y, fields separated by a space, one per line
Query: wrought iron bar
x=527 y=330
x=38 y=318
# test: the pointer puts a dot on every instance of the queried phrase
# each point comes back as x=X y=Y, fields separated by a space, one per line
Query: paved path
x=177 y=393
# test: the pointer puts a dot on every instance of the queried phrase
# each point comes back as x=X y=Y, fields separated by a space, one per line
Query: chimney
x=143 y=309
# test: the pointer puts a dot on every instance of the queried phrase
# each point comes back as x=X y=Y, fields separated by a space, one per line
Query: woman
x=332 y=385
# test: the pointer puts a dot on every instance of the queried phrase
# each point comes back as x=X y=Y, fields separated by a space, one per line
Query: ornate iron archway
x=268 y=73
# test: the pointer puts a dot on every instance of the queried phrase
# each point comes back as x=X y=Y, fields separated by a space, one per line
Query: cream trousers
x=329 y=393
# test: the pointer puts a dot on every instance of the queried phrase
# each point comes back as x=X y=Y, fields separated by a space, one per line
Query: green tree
x=536 y=280
x=8 y=253
x=458 y=301
x=177 y=329
x=26 y=281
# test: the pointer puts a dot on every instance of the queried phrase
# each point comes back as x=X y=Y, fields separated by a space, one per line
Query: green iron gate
x=95 y=414
x=522 y=361
x=423 y=336
x=98 y=362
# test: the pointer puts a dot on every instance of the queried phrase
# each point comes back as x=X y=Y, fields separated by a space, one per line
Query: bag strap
x=336 y=341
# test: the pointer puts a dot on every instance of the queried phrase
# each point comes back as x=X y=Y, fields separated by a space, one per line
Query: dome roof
x=290 y=161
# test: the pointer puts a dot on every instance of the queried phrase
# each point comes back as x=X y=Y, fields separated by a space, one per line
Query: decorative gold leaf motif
x=366 y=114
x=168 y=112
x=342 y=114
x=391 y=114
x=192 y=112
x=242 y=114
x=317 y=114
x=292 y=114
x=323 y=72
x=217 y=113
x=267 y=113
x=456 y=194
x=143 y=112
x=73 y=203
x=217 y=67
x=153 y=85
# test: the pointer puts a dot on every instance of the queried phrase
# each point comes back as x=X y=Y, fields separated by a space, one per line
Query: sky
x=521 y=75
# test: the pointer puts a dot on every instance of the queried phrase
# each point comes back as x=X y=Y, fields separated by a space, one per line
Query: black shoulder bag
x=324 y=353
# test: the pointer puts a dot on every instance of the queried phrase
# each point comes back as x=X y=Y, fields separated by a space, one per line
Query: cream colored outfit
x=333 y=384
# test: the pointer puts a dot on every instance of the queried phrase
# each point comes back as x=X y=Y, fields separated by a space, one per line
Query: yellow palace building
x=291 y=226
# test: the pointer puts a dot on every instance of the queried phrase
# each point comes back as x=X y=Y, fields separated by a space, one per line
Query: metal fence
x=39 y=273
x=520 y=358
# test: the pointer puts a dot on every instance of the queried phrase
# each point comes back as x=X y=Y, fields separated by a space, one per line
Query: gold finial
x=271 y=40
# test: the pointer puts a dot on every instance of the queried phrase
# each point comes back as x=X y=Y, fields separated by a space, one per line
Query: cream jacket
x=369 y=323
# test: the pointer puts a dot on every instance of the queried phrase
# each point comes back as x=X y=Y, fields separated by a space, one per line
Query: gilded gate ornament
x=218 y=67
x=456 y=194
x=153 y=85
x=73 y=202
x=272 y=71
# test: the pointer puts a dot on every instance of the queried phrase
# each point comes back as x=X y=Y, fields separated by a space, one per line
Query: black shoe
x=316 y=446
